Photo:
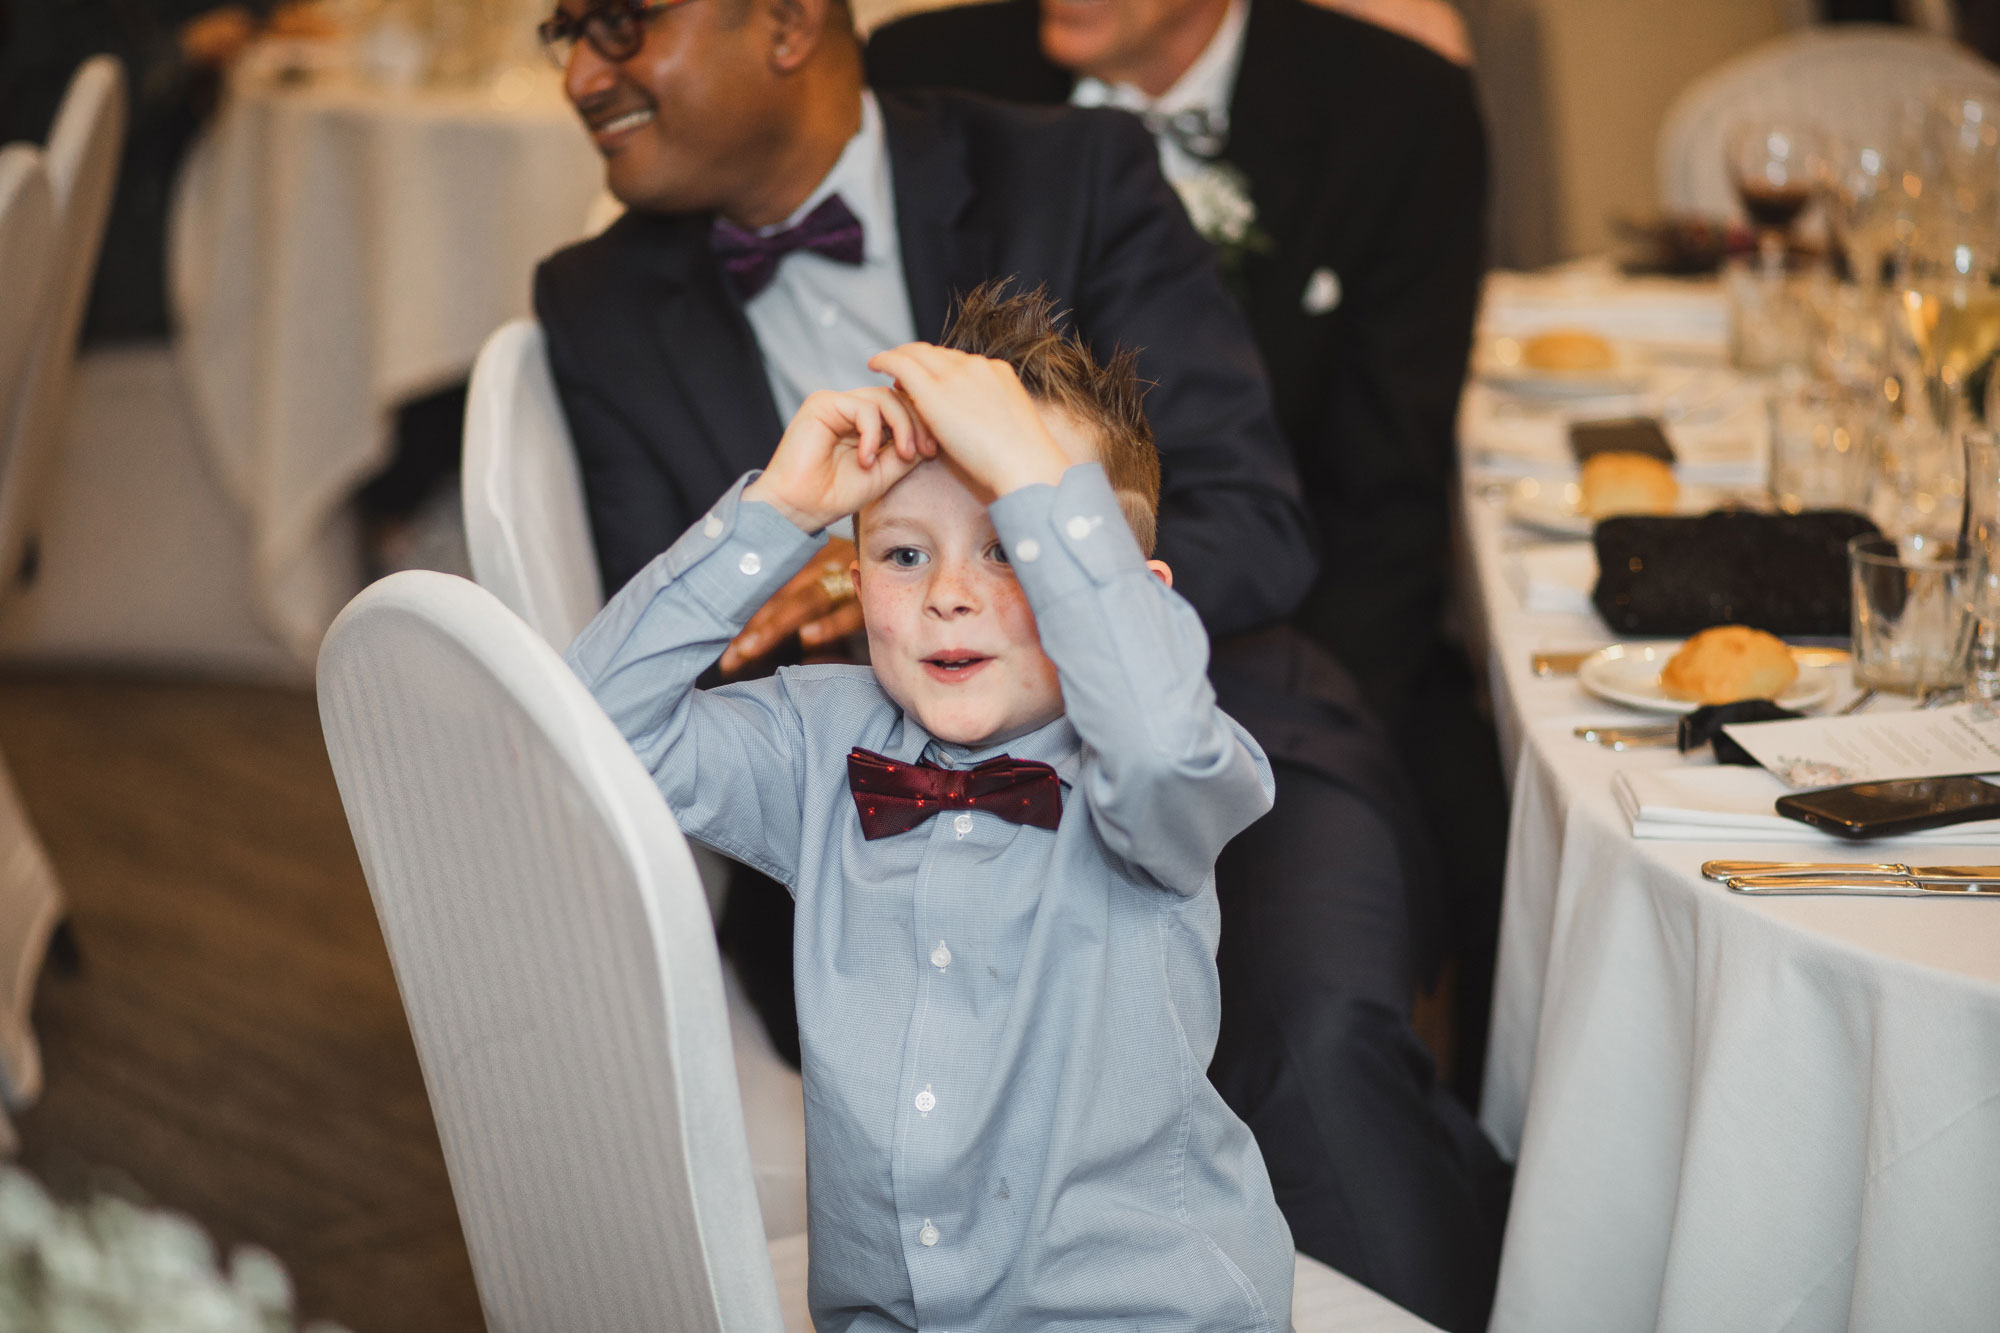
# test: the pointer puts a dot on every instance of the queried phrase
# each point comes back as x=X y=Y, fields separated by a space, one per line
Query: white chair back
x=525 y=523
x=82 y=162
x=558 y=967
x=27 y=237
x=1849 y=80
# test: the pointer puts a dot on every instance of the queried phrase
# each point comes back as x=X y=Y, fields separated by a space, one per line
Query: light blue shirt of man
x=1006 y=1028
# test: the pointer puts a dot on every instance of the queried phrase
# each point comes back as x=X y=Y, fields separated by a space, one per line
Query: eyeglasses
x=615 y=29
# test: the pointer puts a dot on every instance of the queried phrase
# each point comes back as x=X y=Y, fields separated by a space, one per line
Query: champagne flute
x=1981 y=548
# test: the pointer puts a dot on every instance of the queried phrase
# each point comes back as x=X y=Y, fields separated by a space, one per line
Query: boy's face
x=950 y=634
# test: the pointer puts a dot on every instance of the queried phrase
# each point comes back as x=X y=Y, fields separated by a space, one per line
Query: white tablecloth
x=338 y=249
x=1728 y=1114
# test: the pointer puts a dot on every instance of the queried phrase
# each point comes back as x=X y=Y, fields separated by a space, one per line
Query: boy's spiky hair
x=1056 y=368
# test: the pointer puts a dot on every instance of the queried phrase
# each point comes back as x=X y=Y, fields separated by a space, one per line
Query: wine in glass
x=1954 y=321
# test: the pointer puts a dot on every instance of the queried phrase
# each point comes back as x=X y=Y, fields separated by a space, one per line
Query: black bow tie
x=752 y=260
x=1193 y=131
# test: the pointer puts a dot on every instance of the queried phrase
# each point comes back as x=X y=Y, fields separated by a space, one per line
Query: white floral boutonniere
x=1217 y=199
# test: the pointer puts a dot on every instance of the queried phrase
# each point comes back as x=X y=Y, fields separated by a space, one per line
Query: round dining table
x=1727 y=1112
x=336 y=249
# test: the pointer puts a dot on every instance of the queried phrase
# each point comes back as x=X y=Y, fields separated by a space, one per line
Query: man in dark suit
x=677 y=338
x=1364 y=157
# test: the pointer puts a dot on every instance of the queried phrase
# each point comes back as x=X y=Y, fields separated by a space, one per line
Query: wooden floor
x=232 y=1045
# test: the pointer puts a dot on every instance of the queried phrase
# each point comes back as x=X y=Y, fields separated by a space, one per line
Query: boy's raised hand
x=842 y=451
x=979 y=414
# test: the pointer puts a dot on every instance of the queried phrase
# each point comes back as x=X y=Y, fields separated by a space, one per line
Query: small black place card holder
x=1785 y=574
x=1620 y=435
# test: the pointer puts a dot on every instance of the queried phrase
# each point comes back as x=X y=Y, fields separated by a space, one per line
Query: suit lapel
x=944 y=254
x=1270 y=132
x=708 y=347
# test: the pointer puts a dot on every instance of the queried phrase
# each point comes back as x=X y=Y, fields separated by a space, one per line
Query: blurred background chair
x=1849 y=81
x=31 y=902
x=63 y=196
x=560 y=976
x=82 y=163
x=529 y=542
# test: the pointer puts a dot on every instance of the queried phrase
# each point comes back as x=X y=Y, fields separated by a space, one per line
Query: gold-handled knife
x=1879 y=886
x=1647 y=737
x=1720 y=871
x=1560 y=664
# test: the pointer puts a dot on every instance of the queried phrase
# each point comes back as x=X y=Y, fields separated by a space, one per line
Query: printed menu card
x=1828 y=751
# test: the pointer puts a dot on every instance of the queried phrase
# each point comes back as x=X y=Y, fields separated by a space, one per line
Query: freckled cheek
x=890 y=614
x=1037 y=674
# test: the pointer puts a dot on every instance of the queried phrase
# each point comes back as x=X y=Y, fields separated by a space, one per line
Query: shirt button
x=941 y=956
x=963 y=824
x=928 y=1236
x=1078 y=528
x=1027 y=549
x=712 y=528
x=750 y=563
x=926 y=1101
x=829 y=316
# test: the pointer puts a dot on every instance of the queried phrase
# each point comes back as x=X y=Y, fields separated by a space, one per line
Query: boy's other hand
x=979 y=413
x=842 y=451
x=810 y=606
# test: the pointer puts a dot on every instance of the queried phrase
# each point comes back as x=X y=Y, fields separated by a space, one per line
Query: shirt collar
x=1207 y=84
x=1055 y=744
x=861 y=178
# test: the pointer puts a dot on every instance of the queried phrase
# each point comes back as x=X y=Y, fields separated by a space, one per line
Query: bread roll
x=1567 y=349
x=1615 y=483
x=1727 y=663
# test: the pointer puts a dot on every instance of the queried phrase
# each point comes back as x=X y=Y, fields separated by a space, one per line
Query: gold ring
x=837 y=584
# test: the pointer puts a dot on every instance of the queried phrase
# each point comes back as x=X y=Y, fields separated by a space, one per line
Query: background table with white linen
x=1728 y=1113
x=337 y=249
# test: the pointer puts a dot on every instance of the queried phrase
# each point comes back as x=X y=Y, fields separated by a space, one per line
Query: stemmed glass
x=1774 y=167
x=1874 y=194
x=1981 y=549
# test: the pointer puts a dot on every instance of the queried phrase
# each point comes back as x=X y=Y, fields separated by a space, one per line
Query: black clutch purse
x=1785 y=574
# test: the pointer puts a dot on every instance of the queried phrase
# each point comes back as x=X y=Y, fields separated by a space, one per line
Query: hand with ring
x=817 y=606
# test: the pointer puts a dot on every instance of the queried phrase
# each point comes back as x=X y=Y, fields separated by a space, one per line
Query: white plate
x=1629 y=674
x=1498 y=362
x=1551 y=506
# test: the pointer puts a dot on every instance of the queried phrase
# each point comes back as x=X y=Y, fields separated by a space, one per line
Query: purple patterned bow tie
x=752 y=260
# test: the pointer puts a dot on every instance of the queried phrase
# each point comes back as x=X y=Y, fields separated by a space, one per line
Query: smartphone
x=1883 y=809
x=1625 y=435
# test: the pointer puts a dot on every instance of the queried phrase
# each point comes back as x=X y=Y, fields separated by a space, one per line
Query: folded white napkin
x=1555 y=578
x=1727 y=802
x=1595 y=296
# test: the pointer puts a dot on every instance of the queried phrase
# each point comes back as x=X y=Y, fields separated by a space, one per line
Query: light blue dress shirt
x=818 y=321
x=1006 y=1028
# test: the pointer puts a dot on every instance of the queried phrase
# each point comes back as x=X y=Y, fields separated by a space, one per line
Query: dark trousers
x=1380 y=1173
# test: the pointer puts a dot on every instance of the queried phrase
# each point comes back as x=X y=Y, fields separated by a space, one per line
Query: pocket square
x=1322 y=292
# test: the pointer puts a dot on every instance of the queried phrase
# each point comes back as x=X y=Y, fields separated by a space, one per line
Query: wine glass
x=1963 y=140
x=1773 y=167
x=1953 y=318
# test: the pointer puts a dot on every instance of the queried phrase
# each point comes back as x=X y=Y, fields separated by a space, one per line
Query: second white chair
x=529 y=538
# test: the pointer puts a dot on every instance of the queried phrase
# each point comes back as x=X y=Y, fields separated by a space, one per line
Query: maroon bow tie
x=752 y=260
x=894 y=797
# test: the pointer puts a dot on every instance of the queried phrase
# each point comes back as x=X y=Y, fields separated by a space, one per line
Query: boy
x=1001 y=836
